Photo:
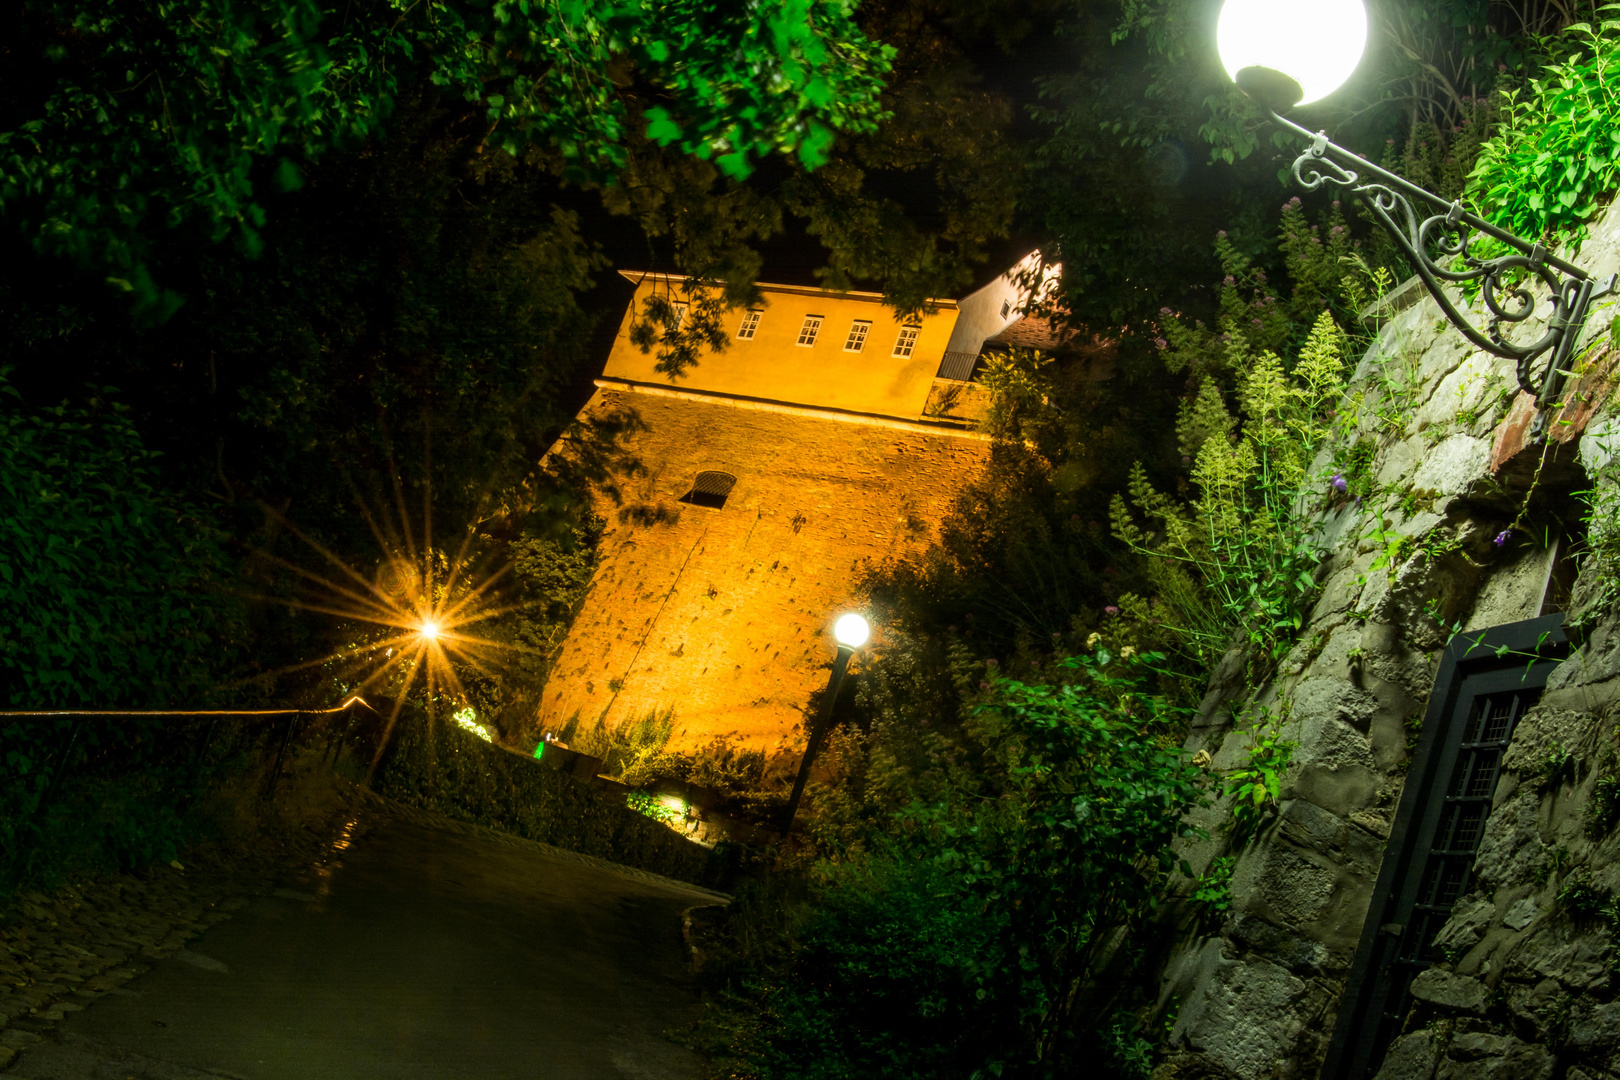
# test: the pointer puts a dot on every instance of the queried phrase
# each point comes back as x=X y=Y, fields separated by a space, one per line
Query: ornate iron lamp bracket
x=1452 y=232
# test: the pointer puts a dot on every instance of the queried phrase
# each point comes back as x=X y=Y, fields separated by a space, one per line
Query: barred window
x=750 y=323
x=907 y=340
x=808 y=332
x=857 y=335
x=710 y=489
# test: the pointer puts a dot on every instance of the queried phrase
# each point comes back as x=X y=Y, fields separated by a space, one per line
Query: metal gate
x=1487 y=681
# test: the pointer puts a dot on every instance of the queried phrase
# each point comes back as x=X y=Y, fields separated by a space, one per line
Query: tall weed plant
x=1235 y=563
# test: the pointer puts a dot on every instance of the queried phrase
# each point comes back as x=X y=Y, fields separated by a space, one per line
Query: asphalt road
x=416 y=953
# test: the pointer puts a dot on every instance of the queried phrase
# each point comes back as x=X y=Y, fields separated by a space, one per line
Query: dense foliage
x=976 y=870
x=1554 y=156
x=110 y=589
x=162 y=113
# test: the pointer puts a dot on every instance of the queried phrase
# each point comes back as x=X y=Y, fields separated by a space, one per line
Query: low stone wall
x=1527 y=990
x=441 y=768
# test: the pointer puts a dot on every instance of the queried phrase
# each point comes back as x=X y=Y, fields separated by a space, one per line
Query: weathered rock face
x=1528 y=989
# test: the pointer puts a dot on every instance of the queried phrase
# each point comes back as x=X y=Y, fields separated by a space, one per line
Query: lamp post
x=1283 y=53
x=851 y=631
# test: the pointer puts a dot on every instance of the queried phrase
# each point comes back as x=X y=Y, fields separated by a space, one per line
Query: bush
x=110 y=588
x=1554 y=158
x=957 y=936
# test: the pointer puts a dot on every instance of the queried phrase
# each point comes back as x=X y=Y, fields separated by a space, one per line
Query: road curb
x=431 y=819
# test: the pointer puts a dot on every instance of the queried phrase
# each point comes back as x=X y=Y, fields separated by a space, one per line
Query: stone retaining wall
x=1527 y=992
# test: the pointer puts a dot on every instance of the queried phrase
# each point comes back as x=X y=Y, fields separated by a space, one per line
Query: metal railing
x=69 y=751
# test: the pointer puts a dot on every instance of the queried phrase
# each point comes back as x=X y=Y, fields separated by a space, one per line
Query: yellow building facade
x=828 y=436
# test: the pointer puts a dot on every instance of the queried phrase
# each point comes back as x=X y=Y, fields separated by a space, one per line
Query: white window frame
x=906 y=343
x=680 y=307
x=750 y=324
x=810 y=331
x=859 y=330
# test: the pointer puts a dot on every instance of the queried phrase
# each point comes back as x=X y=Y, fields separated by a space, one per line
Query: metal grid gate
x=1487 y=681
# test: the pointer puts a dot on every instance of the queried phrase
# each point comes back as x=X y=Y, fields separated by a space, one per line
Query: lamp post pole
x=851 y=632
x=817 y=733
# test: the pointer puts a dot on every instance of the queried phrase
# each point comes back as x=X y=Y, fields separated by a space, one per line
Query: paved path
x=414 y=953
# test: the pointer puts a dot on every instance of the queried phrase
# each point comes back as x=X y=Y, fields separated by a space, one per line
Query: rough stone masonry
x=1527 y=990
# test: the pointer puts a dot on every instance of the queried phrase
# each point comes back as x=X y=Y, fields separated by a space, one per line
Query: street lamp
x=851 y=632
x=1284 y=53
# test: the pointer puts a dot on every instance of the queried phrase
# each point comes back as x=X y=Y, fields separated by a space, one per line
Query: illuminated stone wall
x=724 y=615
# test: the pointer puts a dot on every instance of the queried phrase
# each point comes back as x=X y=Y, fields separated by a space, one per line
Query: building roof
x=1032 y=332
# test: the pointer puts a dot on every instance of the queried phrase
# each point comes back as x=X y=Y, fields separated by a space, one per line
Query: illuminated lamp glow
x=429 y=629
x=1317 y=43
x=851 y=631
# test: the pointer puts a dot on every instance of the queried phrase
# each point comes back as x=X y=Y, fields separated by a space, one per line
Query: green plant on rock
x=1256 y=785
x=1585 y=901
x=1600 y=561
x=1554 y=156
x=1213 y=897
x=1602 y=811
x=1237 y=563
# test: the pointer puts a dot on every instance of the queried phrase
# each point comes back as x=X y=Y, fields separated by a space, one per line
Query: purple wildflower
x=1503 y=537
x=1110 y=610
x=1339 y=483
x=1160 y=344
x=1164 y=311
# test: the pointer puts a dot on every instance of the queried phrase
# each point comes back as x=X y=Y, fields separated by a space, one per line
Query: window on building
x=750 y=323
x=857 y=335
x=907 y=340
x=710 y=489
x=680 y=315
x=1006 y=308
x=811 y=327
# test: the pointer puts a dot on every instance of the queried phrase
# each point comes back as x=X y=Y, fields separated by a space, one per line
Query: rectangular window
x=750 y=323
x=857 y=335
x=907 y=340
x=811 y=327
x=1006 y=308
x=680 y=314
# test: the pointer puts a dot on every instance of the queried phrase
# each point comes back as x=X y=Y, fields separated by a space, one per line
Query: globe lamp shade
x=851 y=631
x=1291 y=52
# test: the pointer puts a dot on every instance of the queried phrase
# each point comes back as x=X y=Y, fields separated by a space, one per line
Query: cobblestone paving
x=62 y=950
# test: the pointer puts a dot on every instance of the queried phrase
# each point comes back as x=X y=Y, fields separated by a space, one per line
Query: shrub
x=956 y=937
x=1554 y=157
x=109 y=587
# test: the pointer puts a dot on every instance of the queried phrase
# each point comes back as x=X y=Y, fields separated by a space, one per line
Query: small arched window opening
x=710 y=489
